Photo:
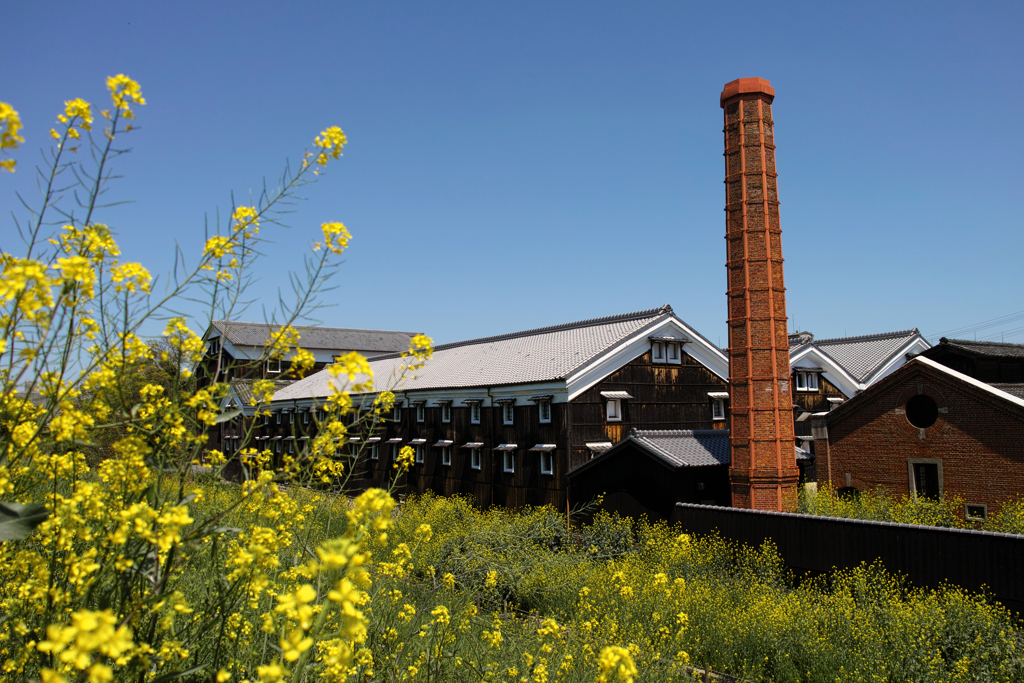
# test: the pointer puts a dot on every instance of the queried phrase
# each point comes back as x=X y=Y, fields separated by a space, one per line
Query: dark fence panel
x=927 y=556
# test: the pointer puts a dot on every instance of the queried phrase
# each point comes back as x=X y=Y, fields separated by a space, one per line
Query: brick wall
x=977 y=437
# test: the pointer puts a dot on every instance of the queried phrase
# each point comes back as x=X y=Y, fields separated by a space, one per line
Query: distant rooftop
x=984 y=348
x=316 y=337
x=861 y=355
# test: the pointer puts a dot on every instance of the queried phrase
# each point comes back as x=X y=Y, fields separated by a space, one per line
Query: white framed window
x=421 y=412
x=305 y=417
x=507 y=413
x=277 y=446
x=266 y=419
x=419 y=453
x=446 y=455
x=718 y=409
x=666 y=351
x=277 y=416
x=672 y=352
x=806 y=381
x=975 y=513
x=394 y=452
x=474 y=413
x=374 y=452
x=613 y=410
x=396 y=412
x=291 y=446
x=274 y=365
x=474 y=458
x=658 y=352
x=544 y=410
x=547 y=463
x=446 y=412
x=291 y=417
x=509 y=458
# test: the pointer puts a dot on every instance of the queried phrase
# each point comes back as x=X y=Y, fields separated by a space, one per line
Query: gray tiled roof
x=687 y=447
x=243 y=389
x=985 y=348
x=539 y=355
x=861 y=356
x=314 y=337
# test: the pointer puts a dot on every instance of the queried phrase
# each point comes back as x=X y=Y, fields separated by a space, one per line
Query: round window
x=922 y=411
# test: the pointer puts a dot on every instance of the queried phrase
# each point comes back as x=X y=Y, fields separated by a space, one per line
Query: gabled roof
x=988 y=349
x=862 y=356
x=315 y=337
x=540 y=355
x=241 y=391
x=678 y=448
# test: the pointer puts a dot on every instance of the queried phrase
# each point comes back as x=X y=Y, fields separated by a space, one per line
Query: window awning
x=303 y=438
x=546 y=447
x=808 y=369
x=469 y=401
x=835 y=399
x=507 y=399
x=395 y=440
x=599 y=446
x=354 y=439
x=276 y=438
x=506 y=447
x=373 y=439
x=417 y=442
x=443 y=442
x=444 y=401
x=542 y=397
x=718 y=394
x=616 y=394
x=419 y=402
x=289 y=438
x=472 y=444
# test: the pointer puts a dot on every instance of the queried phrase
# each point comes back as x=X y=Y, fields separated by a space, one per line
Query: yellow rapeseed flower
x=10 y=124
x=123 y=91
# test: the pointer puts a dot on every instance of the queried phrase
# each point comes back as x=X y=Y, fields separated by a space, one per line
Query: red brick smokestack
x=763 y=473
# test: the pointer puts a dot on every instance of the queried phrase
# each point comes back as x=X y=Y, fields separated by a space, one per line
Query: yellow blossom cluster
x=10 y=124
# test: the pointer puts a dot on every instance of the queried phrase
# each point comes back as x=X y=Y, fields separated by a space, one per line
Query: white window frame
x=421 y=412
x=975 y=518
x=395 y=447
x=544 y=406
x=613 y=410
x=508 y=413
x=277 y=446
x=547 y=462
x=396 y=413
x=508 y=461
x=291 y=417
x=446 y=412
x=270 y=368
x=374 y=451
x=305 y=417
x=657 y=352
x=474 y=413
x=806 y=381
x=291 y=445
x=446 y=456
x=718 y=409
x=420 y=457
x=673 y=354
x=266 y=419
x=475 y=461
x=277 y=414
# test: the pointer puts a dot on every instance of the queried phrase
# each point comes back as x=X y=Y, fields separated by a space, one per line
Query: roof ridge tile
x=865 y=337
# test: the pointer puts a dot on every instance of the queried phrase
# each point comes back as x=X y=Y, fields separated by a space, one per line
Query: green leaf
x=179 y=674
x=18 y=521
x=228 y=415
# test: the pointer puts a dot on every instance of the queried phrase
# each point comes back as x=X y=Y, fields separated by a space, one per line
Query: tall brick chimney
x=763 y=473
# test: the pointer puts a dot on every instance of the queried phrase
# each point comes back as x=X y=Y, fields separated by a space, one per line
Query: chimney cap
x=743 y=86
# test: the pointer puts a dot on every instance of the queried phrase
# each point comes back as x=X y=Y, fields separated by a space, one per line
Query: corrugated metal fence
x=927 y=556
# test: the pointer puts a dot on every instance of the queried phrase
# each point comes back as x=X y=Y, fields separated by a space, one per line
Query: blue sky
x=520 y=164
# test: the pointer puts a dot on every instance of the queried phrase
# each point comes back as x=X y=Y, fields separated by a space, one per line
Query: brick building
x=927 y=429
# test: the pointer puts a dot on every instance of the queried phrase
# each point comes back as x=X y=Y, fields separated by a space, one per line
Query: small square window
x=510 y=460
x=507 y=413
x=474 y=413
x=474 y=458
x=544 y=408
x=421 y=412
x=614 y=410
x=446 y=455
x=446 y=412
x=718 y=409
x=547 y=463
x=976 y=513
x=374 y=452
x=419 y=452
x=274 y=365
